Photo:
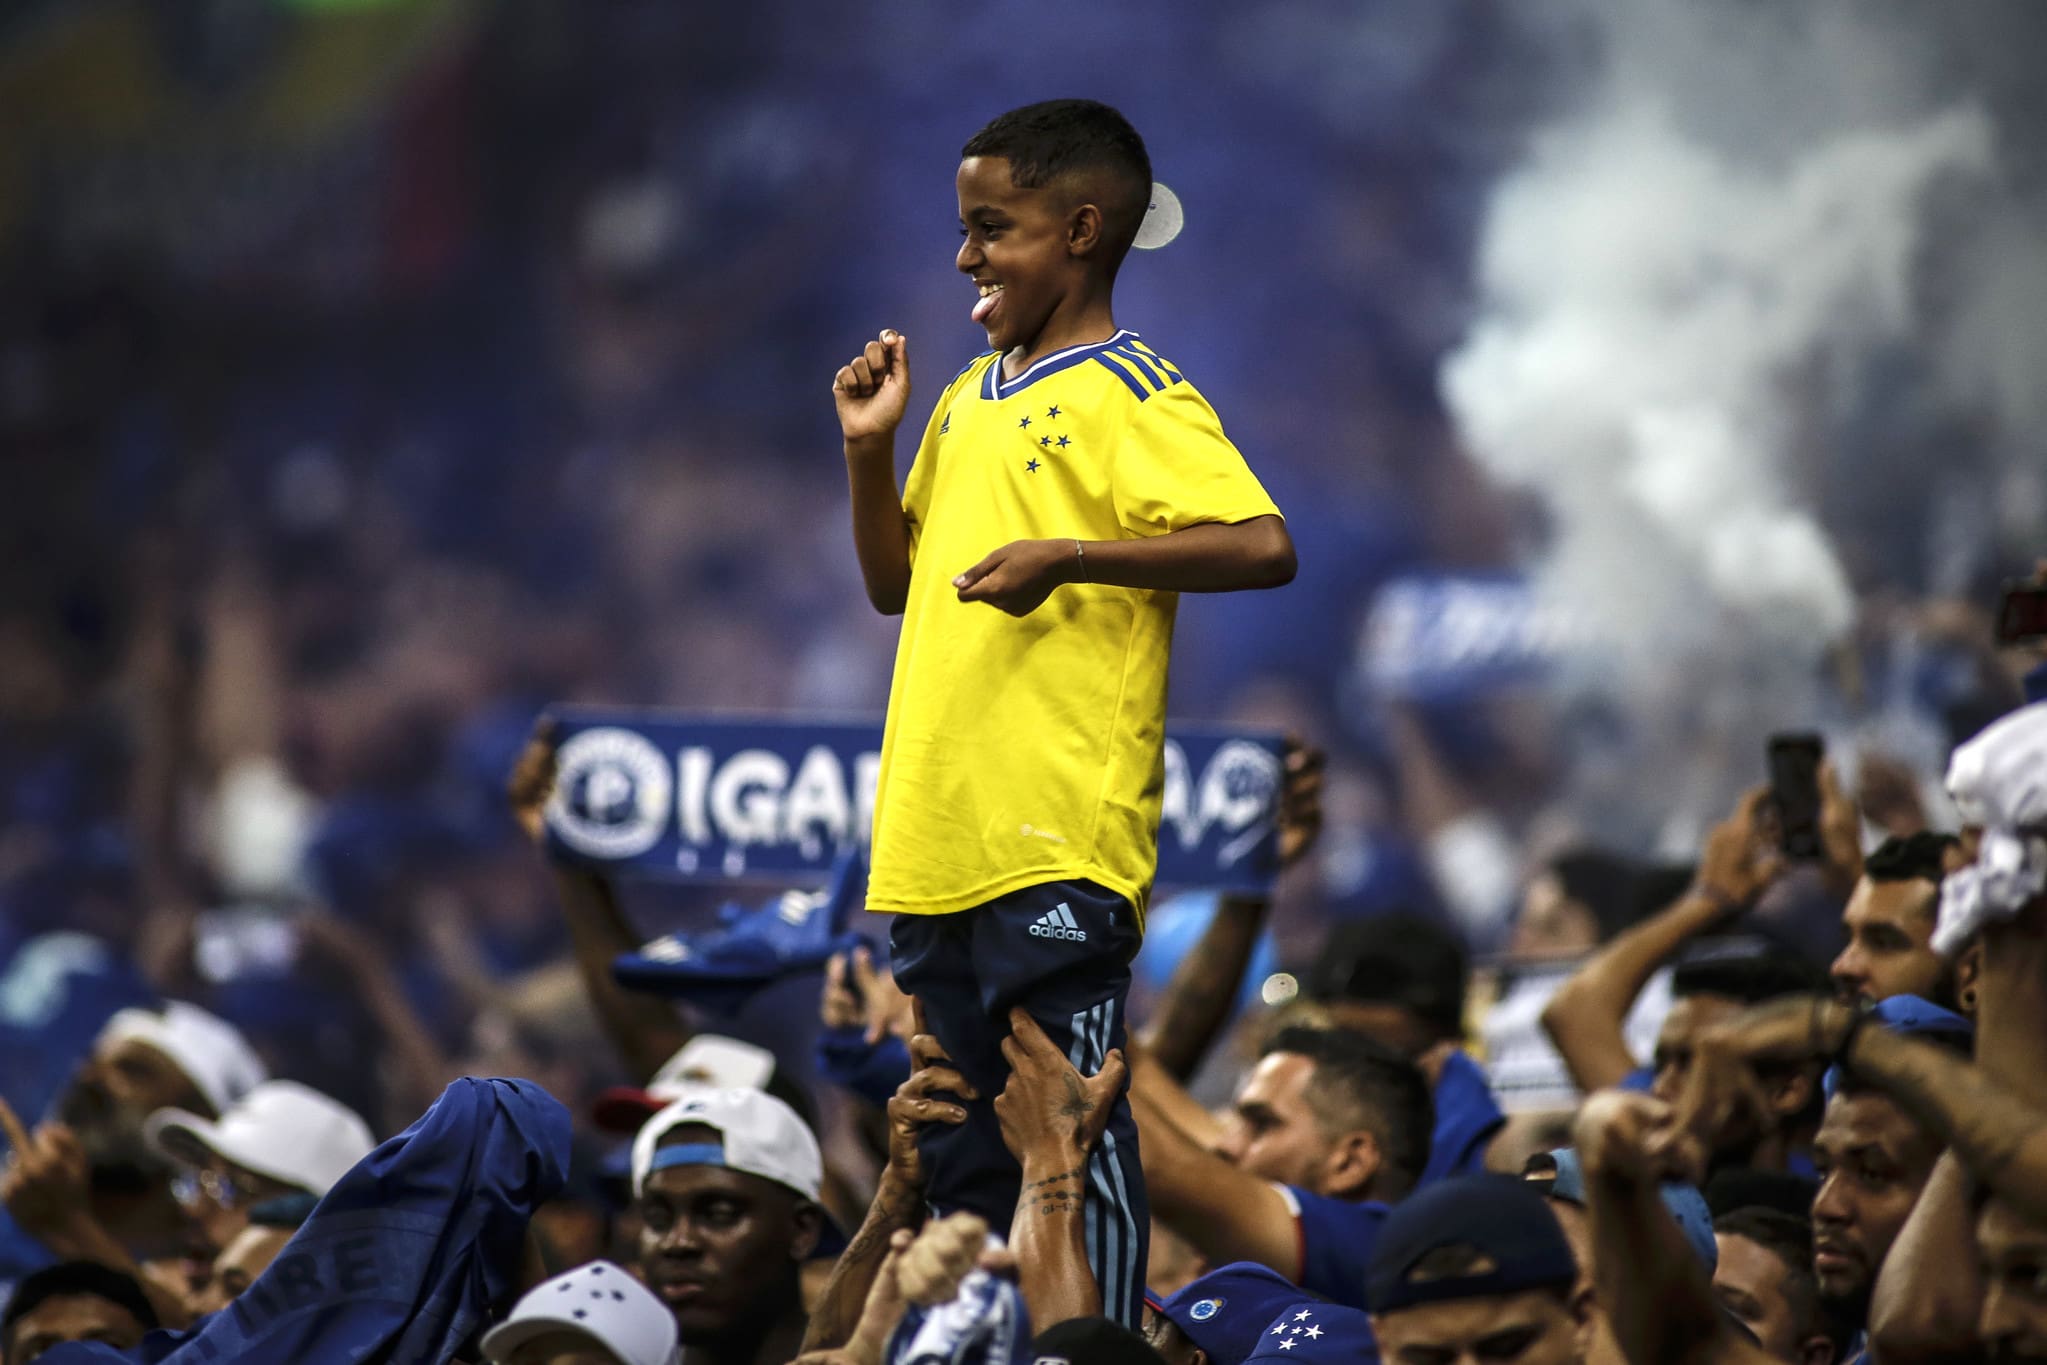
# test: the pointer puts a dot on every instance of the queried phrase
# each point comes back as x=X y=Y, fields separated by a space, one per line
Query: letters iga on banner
x=718 y=798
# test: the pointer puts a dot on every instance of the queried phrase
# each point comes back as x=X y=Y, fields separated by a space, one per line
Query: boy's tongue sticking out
x=991 y=294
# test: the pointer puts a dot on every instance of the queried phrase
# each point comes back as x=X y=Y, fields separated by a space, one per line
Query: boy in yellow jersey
x=1070 y=484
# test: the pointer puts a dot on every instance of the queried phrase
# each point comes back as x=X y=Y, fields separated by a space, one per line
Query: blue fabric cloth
x=1336 y=1240
x=870 y=1070
x=1467 y=1116
x=1641 y=1080
x=406 y=1257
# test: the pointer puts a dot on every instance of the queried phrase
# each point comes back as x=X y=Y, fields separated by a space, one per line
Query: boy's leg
x=1062 y=951
x=965 y=1165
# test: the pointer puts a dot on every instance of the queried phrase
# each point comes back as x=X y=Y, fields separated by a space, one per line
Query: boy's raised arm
x=871 y=392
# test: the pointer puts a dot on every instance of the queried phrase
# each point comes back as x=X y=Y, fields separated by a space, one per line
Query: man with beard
x=88 y=1174
x=1889 y=921
x=1873 y=1161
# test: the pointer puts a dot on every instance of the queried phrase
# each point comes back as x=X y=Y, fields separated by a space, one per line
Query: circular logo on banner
x=612 y=793
x=1240 y=784
x=1204 y=1310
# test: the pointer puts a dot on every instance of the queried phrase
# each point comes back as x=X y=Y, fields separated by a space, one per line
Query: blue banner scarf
x=662 y=794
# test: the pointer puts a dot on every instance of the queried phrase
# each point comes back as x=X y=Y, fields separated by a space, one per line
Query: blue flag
x=405 y=1258
x=707 y=798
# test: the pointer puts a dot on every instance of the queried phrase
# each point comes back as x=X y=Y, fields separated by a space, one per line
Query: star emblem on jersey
x=1043 y=441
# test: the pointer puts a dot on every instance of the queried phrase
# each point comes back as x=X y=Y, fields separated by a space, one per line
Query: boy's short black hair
x=73 y=1279
x=1915 y=857
x=1052 y=138
x=1399 y=959
x=1360 y=1082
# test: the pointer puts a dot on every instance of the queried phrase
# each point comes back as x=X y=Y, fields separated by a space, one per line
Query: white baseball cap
x=763 y=1137
x=281 y=1129
x=709 y=1061
x=602 y=1302
x=210 y=1051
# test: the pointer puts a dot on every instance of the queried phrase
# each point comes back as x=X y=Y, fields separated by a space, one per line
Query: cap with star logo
x=1317 y=1331
x=1226 y=1311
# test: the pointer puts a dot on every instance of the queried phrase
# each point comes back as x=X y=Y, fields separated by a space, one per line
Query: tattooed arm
x=1051 y=1118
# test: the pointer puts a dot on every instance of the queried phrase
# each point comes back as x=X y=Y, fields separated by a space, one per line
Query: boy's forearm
x=881 y=536
x=1212 y=557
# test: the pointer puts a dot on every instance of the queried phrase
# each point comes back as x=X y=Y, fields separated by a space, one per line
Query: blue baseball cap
x=1316 y=1331
x=1915 y=1018
x=1227 y=1310
x=1502 y=1217
x=1694 y=1216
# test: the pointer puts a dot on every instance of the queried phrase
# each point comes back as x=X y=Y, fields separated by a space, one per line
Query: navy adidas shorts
x=1061 y=951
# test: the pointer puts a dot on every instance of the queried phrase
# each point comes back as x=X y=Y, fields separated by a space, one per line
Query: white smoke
x=1679 y=287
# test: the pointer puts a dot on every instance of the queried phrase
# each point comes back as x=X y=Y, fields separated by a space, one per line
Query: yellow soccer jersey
x=1028 y=750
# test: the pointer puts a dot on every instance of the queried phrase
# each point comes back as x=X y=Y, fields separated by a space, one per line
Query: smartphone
x=1795 y=792
x=2022 y=613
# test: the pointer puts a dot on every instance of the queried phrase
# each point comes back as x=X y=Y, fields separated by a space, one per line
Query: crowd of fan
x=1804 y=1169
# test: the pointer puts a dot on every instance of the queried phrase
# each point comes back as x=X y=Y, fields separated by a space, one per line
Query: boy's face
x=1017 y=240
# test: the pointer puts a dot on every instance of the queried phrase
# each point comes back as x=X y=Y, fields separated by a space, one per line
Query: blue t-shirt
x=1336 y=1241
x=1467 y=1116
x=406 y=1257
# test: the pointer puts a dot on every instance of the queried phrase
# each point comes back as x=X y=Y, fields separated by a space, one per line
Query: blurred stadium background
x=373 y=372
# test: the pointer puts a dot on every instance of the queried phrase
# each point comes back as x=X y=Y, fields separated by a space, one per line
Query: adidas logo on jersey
x=1058 y=922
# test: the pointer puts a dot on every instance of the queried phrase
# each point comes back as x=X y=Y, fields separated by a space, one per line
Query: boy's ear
x=1083 y=230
